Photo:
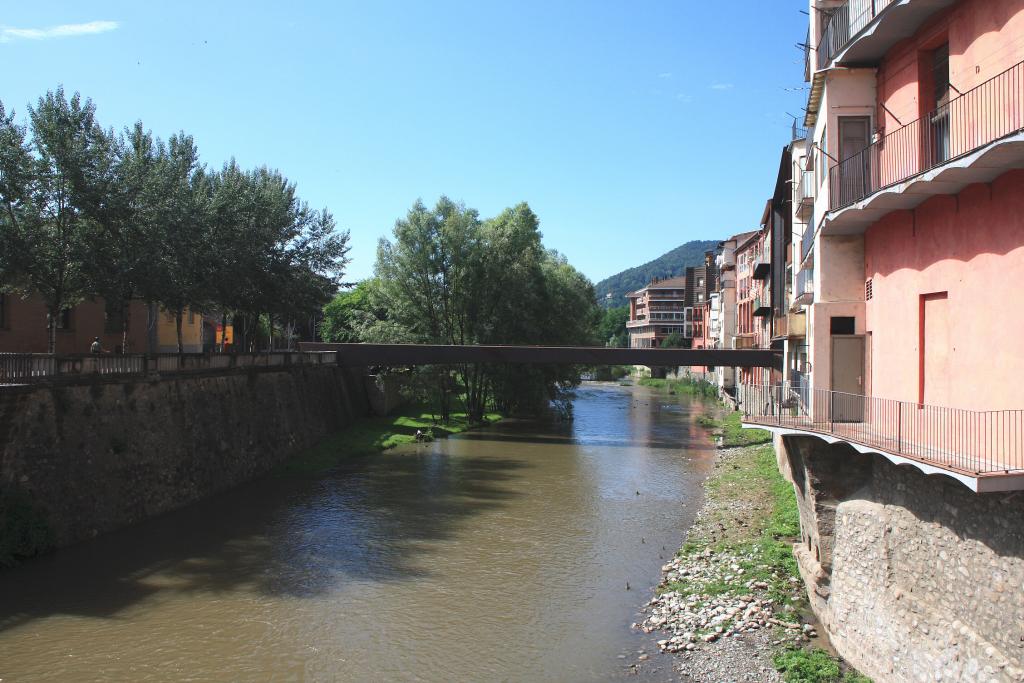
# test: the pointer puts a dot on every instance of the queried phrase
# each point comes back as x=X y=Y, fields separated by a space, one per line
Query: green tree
x=672 y=341
x=45 y=236
x=611 y=329
x=120 y=205
x=344 y=315
x=179 y=197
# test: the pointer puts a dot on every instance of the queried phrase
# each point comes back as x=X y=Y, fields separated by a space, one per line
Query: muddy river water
x=503 y=554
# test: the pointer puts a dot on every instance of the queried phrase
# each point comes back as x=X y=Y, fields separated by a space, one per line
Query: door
x=847 y=378
x=854 y=171
x=940 y=116
x=935 y=350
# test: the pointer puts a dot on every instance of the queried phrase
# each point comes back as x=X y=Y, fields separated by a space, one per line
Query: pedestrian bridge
x=428 y=354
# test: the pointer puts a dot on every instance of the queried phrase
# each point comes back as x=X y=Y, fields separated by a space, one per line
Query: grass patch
x=690 y=387
x=375 y=434
x=752 y=517
x=813 y=665
x=733 y=433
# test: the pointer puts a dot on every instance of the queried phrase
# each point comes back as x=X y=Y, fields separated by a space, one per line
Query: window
x=191 y=317
x=64 y=319
x=3 y=311
x=113 y=315
x=842 y=325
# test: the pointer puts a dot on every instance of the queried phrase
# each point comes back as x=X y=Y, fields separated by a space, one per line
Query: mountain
x=667 y=265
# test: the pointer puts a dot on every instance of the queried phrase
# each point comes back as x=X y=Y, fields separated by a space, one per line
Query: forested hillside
x=667 y=265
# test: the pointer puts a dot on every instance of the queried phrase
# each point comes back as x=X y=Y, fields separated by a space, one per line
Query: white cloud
x=665 y=74
x=683 y=97
x=721 y=86
x=9 y=33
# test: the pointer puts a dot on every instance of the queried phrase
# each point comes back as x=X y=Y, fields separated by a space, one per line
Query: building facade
x=23 y=327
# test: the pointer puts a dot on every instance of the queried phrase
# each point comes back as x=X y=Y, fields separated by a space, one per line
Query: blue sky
x=630 y=128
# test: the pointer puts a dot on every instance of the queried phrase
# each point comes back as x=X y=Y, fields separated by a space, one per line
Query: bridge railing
x=968 y=441
x=27 y=368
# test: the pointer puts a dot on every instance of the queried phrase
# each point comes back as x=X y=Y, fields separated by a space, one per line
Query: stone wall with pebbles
x=914 y=577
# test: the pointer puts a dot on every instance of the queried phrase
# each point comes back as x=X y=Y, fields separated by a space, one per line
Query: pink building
x=908 y=192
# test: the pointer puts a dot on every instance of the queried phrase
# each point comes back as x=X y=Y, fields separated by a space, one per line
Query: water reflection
x=501 y=555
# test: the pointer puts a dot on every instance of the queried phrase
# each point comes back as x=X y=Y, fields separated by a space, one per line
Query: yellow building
x=191 y=332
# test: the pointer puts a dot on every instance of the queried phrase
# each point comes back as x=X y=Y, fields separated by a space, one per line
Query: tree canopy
x=448 y=276
x=86 y=212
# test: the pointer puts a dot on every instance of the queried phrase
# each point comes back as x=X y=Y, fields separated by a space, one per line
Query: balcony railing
x=24 y=368
x=965 y=441
x=804 y=293
x=980 y=116
x=807 y=241
x=845 y=23
x=805 y=189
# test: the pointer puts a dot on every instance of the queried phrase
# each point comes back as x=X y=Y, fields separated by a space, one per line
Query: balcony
x=983 y=450
x=791 y=325
x=807 y=240
x=762 y=308
x=804 y=195
x=973 y=139
x=744 y=341
x=804 y=294
x=762 y=267
x=860 y=32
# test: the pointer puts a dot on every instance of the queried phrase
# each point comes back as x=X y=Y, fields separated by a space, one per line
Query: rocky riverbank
x=731 y=606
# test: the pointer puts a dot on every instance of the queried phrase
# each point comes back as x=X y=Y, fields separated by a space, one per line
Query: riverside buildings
x=896 y=220
x=672 y=306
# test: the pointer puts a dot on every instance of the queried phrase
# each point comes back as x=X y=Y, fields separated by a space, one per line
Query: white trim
x=1013 y=482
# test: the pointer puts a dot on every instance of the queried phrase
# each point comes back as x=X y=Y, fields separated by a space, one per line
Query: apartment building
x=658 y=310
x=906 y=190
x=915 y=154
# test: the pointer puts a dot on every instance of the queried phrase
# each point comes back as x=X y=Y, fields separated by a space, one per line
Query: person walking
x=95 y=348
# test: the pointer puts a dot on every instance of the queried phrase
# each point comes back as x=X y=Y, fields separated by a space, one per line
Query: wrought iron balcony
x=846 y=22
x=977 y=447
x=978 y=117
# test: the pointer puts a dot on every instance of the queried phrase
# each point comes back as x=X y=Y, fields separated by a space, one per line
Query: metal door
x=847 y=378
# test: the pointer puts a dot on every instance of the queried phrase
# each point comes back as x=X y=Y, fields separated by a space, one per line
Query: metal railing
x=807 y=240
x=805 y=188
x=966 y=441
x=844 y=24
x=804 y=292
x=980 y=116
x=25 y=368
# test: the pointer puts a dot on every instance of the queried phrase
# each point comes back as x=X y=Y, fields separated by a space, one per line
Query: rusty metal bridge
x=429 y=354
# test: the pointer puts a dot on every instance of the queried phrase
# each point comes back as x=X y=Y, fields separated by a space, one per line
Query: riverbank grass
x=688 y=387
x=813 y=665
x=371 y=435
x=752 y=516
x=730 y=428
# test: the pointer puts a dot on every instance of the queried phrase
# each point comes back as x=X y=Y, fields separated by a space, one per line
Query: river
x=502 y=554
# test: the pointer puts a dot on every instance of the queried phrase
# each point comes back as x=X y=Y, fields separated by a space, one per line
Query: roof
x=743 y=236
x=677 y=282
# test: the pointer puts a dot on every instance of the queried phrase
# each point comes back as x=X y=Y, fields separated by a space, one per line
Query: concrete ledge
x=991 y=483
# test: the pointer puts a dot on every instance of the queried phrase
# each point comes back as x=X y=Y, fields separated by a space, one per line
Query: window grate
x=868 y=289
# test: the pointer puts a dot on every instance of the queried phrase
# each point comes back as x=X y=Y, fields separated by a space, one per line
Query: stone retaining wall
x=97 y=455
x=915 y=577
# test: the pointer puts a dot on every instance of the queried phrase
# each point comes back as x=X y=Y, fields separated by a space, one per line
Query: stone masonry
x=915 y=577
x=98 y=455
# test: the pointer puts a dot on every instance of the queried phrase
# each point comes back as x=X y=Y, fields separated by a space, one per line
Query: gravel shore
x=725 y=605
